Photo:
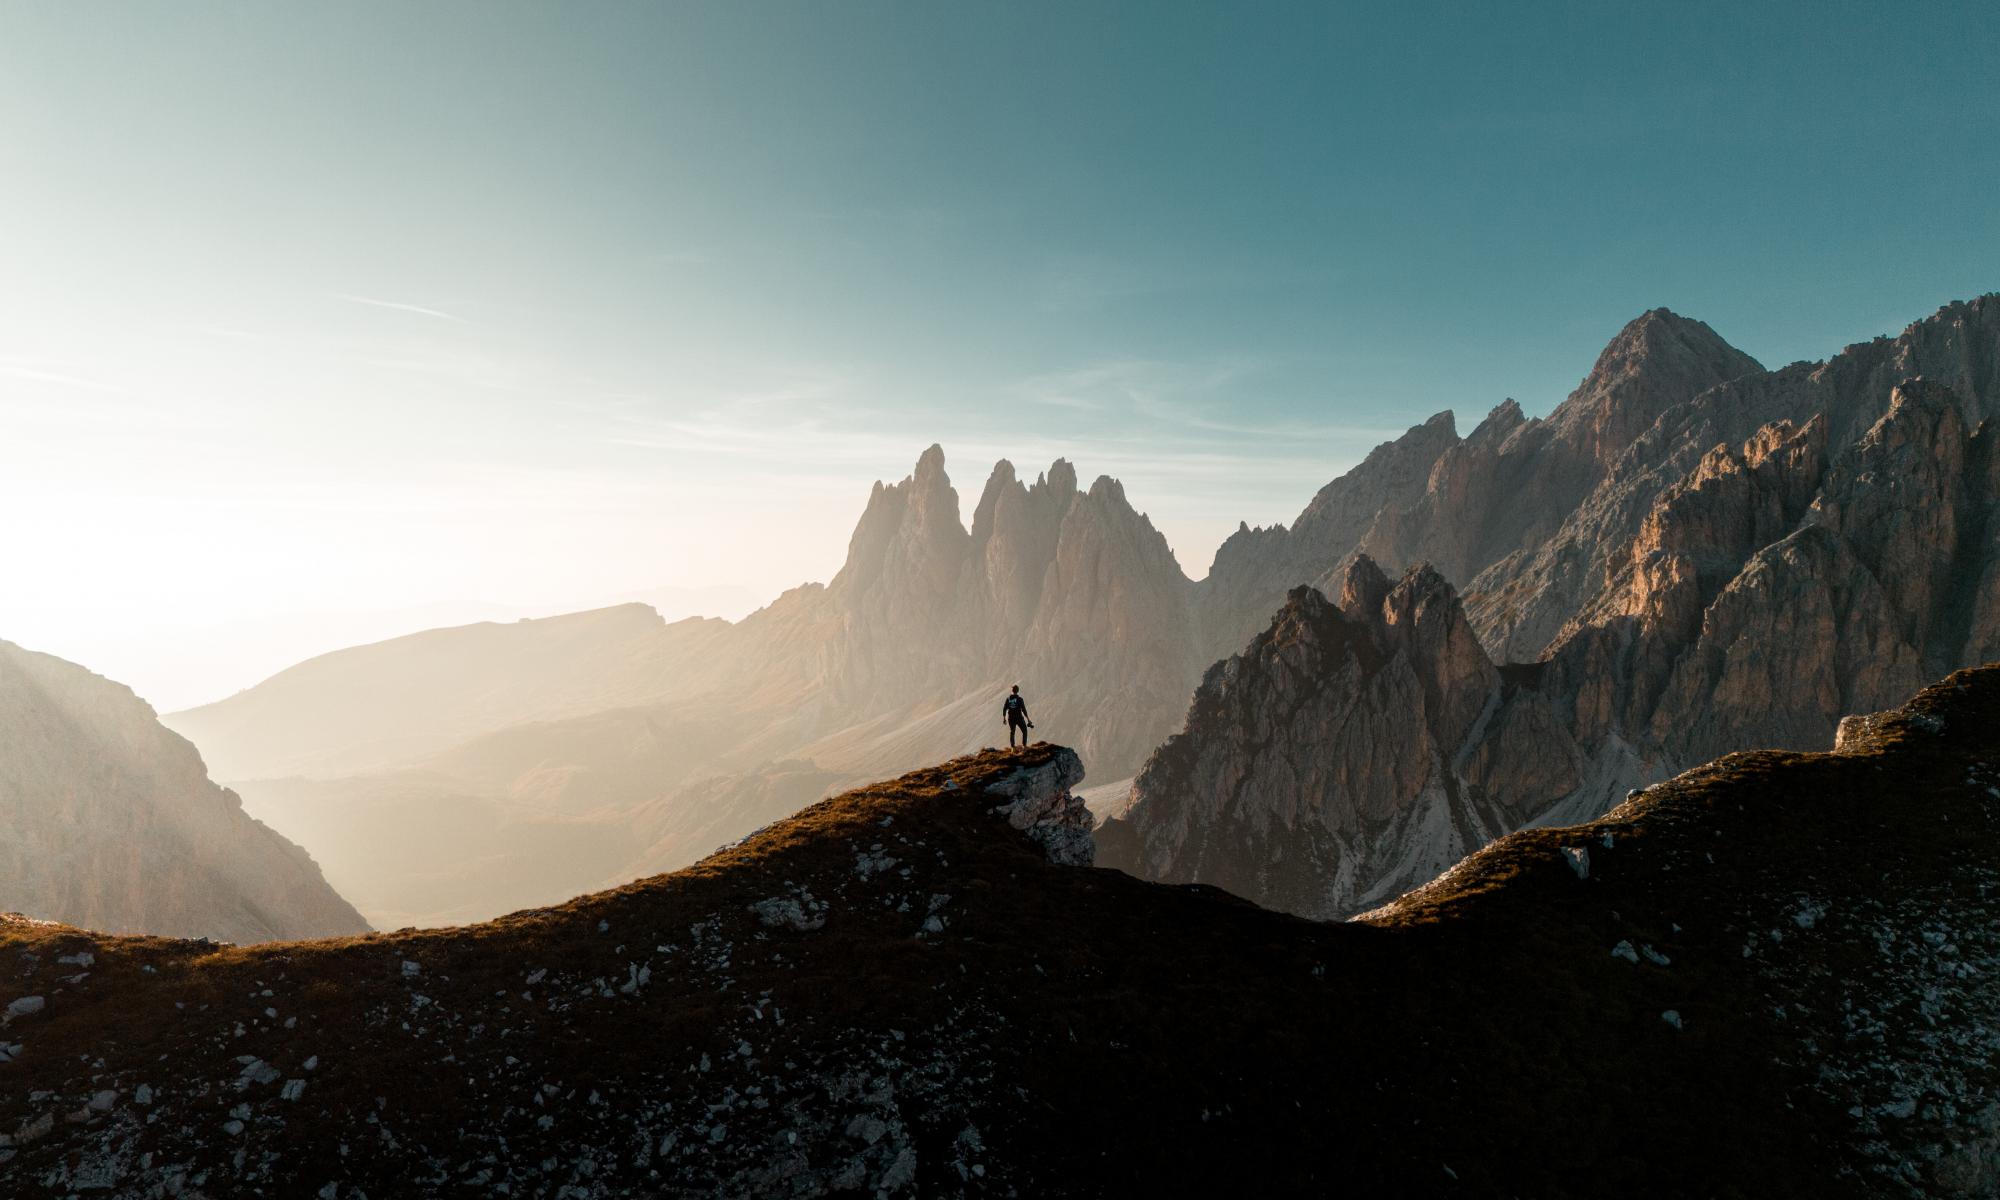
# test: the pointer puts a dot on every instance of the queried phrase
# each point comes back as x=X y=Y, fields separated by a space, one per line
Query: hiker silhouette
x=1014 y=711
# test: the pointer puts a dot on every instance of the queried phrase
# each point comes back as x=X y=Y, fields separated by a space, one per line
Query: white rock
x=787 y=912
x=641 y=975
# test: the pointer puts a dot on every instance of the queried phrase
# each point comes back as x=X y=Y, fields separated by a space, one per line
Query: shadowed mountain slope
x=111 y=821
x=1768 y=977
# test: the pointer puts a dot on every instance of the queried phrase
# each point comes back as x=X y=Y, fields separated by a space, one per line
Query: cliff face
x=1255 y=569
x=1327 y=767
x=1463 y=505
x=111 y=822
x=1520 y=605
x=904 y=990
x=1773 y=589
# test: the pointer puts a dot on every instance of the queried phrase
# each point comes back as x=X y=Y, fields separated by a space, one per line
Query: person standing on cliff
x=1014 y=711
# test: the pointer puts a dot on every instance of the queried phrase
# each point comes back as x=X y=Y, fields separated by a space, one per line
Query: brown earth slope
x=1768 y=977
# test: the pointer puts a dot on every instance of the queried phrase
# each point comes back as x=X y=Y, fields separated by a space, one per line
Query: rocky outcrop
x=1038 y=800
x=111 y=822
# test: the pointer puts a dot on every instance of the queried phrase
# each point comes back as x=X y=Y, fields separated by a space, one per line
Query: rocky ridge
x=1768 y=977
x=1778 y=584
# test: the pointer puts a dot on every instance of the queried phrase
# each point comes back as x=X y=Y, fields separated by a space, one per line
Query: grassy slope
x=1060 y=1031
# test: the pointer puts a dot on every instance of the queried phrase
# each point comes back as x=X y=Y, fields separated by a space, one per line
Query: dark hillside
x=1769 y=977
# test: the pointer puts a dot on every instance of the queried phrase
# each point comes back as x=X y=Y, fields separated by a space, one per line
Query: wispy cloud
x=399 y=306
x=60 y=379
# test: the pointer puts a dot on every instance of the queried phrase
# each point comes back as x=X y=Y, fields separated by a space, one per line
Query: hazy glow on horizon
x=323 y=324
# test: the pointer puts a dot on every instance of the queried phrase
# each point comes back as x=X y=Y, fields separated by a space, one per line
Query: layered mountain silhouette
x=112 y=823
x=1690 y=554
x=1765 y=977
x=577 y=751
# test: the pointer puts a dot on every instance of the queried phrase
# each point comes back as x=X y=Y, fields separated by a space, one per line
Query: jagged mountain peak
x=930 y=464
x=1106 y=489
x=1363 y=588
x=1658 y=359
x=1422 y=584
x=1398 y=465
x=1501 y=423
x=1059 y=478
x=1001 y=481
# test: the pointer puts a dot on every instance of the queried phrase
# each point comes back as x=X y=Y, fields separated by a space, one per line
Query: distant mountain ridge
x=1567 y=533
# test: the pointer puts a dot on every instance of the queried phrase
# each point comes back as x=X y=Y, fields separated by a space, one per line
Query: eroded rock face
x=1255 y=568
x=112 y=822
x=1321 y=769
x=1867 y=597
x=1056 y=589
x=1522 y=605
x=1040 y=802
x=1508 y=487
x=1773 y=589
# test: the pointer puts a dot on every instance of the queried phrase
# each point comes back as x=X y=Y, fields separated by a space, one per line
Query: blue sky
x=451 y=309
